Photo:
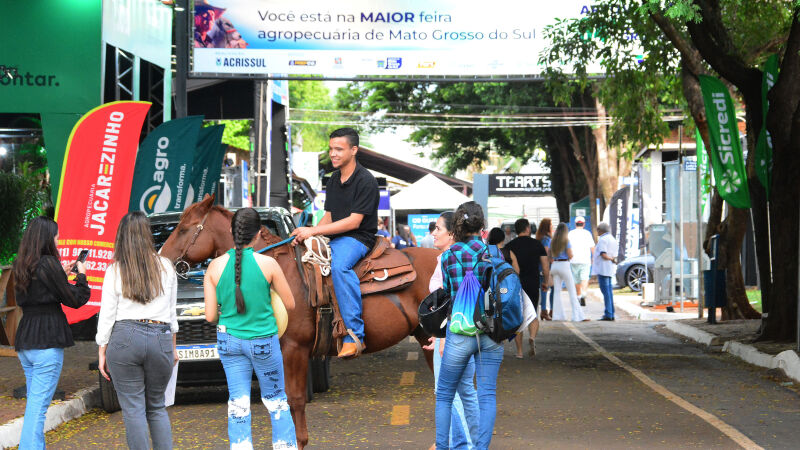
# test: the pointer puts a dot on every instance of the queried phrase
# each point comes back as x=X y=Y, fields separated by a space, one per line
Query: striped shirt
x=461 y=257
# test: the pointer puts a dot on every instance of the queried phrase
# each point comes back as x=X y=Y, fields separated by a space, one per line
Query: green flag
x=702 y=166
x=164 y=166
x=764 y=143
x=207 y=163
x=726 y=150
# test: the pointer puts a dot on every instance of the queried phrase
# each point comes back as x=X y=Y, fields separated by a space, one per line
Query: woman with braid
x=238 y=282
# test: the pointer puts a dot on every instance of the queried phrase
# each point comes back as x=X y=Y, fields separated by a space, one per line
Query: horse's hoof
x=349 y=350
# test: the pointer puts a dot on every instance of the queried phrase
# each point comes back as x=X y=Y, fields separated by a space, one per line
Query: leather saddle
x=384 y=269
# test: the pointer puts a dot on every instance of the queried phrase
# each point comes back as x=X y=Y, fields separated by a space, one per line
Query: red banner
x=95 y=190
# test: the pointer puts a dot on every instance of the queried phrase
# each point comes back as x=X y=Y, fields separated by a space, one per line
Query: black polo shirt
x=359 y=194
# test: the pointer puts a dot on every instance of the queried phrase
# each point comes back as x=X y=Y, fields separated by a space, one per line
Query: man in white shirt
x=605 y=266
x=581 y=263
x=427 y=241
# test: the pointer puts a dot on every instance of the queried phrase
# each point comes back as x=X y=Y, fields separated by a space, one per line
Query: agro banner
x=726 y=149
x=764 y=143
x=207 y=163
x=95 y=190
x=375 y=37
x=618 y=216
x=164 y=166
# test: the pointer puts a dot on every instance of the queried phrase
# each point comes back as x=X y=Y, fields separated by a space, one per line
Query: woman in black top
x=41 y=288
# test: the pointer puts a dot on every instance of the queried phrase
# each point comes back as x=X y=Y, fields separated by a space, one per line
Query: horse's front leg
x=295 y=365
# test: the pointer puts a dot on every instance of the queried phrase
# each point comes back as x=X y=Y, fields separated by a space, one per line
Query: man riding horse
x=350 y=221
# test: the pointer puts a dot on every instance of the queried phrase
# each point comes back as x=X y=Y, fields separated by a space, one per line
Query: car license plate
x=194 y=352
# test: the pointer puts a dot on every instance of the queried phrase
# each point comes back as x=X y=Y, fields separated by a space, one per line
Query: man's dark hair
x=431 y=227
x=349 y=133
x=496 y=236
x=521 y=225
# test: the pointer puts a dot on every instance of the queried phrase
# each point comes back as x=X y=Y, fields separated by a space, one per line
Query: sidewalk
x=77 y=381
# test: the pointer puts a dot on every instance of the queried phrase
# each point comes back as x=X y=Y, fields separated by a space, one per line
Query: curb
x=640 y=313
x=788 y=360
x=57 y=414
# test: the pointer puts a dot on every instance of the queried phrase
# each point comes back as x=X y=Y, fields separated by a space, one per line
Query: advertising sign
x=375 y=37
x=164 y=166
x=764 y=143
x=419 y=224
x=618 y=218
x=207 y=163
x=95 y=190
x=520 y=185
x=726 y=149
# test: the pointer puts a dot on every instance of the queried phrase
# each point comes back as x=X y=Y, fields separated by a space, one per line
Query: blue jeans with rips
x=465 y=414
x=239 y=358
x=608 y=295
x=42 y=369
x=458 y=351
x=345 y=254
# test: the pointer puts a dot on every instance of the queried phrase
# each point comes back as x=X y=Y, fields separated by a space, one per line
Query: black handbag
x=434 y=311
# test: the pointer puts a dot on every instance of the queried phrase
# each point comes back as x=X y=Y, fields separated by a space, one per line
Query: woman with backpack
x=560 y=254
x=238 y=283
x=463 y=267
x=465 y=413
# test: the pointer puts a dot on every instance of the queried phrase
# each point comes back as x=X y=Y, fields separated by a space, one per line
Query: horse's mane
x=197 y=205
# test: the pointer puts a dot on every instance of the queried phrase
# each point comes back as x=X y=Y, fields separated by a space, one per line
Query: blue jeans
x=345 y=254
x=465 y=413
x=544 y=293
x=608 y=295
x=458 y=351
x=239 y=358
x=42 y=369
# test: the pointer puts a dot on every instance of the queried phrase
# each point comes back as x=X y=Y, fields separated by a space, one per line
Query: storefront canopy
x=428 y=193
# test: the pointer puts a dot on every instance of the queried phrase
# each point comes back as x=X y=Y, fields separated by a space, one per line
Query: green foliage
x=12 y=191
x=310 y=95
x=236 y=134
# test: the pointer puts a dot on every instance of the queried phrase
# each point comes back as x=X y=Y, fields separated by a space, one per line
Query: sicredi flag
x=164 y=167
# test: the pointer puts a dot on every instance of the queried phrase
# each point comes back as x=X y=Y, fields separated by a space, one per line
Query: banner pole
x=699 y=208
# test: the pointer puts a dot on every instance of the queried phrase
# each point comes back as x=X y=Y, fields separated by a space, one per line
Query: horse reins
x=181 y=266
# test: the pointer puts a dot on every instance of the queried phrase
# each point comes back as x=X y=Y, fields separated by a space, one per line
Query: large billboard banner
x=95 y=189
x=375 y=37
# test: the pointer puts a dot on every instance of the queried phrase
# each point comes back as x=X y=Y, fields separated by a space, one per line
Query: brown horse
x=205 y=231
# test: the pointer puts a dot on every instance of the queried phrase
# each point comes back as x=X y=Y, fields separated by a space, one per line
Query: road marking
x=400 y=414
x=711 y=419
x=412 y=356
x=407 y=378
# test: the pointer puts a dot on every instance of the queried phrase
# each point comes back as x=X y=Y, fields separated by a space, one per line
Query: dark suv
x=197 y=338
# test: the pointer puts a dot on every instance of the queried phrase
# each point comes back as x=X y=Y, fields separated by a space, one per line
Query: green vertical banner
x=702 y=166
x=726 y=149
x=764 y=143
x=164 y=166
x=207 y=163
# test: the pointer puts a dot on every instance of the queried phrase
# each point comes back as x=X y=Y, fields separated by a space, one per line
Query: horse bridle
x=181 y=266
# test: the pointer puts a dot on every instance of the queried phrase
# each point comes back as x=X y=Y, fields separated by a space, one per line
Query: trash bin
x=715 y=290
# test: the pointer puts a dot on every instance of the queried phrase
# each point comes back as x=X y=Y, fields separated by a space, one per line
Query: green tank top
x=258 y=319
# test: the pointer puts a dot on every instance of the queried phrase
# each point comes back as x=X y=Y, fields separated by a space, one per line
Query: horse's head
x=204 y=231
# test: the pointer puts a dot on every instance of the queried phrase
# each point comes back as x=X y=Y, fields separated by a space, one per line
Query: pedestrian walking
x=463 y=256
x=581 y=259
x=427 y=241
x=41 y=287
x=605 y=266
x=136 y=332
x=532 y=259
x=403 y=238
x=544 y=235
x=561 y=249
x=465 y=413
x=238 y=283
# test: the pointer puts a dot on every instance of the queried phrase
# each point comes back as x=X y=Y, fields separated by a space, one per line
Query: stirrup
x=360 y=347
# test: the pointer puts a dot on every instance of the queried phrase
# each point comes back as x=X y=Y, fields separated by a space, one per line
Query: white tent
x=429 y=192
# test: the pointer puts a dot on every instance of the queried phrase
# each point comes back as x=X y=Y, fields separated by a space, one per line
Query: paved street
x=570 y=396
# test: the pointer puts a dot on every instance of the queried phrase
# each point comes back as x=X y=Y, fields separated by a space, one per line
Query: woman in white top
x=136 y=332
x=465 y=416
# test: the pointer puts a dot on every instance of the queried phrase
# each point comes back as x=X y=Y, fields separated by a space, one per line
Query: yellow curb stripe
x=412 y=356
x=407 y=378
x=711 y=419
x=400 y=414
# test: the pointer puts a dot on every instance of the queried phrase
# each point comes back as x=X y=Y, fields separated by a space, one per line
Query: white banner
x=375 y=37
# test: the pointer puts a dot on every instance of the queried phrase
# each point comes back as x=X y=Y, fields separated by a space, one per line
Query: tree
x=730 y=38
x=309 y=95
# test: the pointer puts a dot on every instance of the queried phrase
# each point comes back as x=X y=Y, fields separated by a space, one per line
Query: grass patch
x=754 y=297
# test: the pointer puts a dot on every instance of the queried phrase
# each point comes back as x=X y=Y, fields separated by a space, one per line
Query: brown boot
x=349 y=350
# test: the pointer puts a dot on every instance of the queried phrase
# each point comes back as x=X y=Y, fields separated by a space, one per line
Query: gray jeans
x=140 y=360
